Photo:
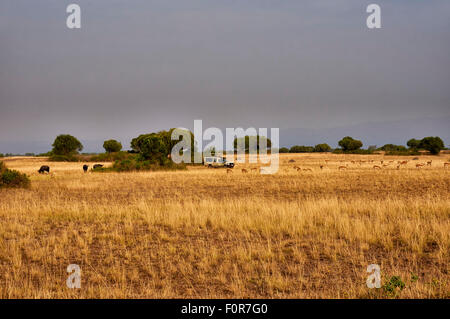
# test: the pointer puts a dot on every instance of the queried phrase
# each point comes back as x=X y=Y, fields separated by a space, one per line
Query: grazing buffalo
x=85 y=168
x=97 y=166
x=44 y=168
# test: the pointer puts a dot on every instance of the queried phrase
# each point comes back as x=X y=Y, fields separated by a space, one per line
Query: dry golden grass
x=208 y=234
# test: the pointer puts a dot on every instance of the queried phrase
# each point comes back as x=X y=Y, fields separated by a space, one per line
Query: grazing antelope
x=353 y=162
x=244 y=170
x=254 y=169
x=229 y=170
x=376 y=167
x=429 y=163
x=296 y=167
x=403 y=162
x=299 y=169
x=419 y=165
x=342 y=167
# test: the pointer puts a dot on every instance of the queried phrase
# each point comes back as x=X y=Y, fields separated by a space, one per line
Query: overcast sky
x=141 y=66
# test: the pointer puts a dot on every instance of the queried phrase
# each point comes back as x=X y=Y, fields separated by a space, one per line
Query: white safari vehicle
x=217 y=161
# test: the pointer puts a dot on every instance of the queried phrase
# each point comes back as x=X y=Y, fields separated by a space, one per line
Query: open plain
x=305 y=232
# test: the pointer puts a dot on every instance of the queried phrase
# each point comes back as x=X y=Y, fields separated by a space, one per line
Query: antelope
x=244 y=170
x=385 y=165
x=403 y=162
x=376 y=167
x=254 y=169
x=446 y=164
x=321 y=166
x=307 y=169
x=381 y=162
x=342 y=167
x=296 y=167
x=398 y=166
x=229 y=170
x=299 y=169
x=429 y=163
x=326 y=161
x=419 y=165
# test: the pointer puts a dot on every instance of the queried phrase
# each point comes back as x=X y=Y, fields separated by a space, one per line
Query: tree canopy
x=66 y=145
x=348 y=143
x=261 y=142
x=112 y=146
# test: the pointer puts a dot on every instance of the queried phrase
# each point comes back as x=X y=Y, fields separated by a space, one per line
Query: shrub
x=283 y=150
x=12 y=179
x=392 y=147
x=403 y=153
x=394 y=286
x=322 y=148
x=112 y=146
x=301 y=149
x=137 y=164
x=63 y=158
x=1 y=155
x=66 y=145
x=110 y=157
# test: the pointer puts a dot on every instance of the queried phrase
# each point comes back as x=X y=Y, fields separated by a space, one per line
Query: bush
x=1 y=155
x=394 y=286
x=322 y=148
x=63 y=158
x=111 y=157
x=301 y=149
x=112 y=146
x=139 y=164
x=403 y=153
x=392 y=147
x=283 y=150
x=12 y=179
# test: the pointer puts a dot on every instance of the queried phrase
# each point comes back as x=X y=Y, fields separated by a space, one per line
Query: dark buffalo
x=85 y=168
x=43 y=169
x=97 y=166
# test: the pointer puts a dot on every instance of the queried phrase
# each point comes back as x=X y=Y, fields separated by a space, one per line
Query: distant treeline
x=155 y=148
x=349 y=145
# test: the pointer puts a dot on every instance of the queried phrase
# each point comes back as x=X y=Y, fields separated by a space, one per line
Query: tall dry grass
x=208 y=234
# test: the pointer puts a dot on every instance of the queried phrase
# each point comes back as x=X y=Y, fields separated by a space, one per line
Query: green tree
x=432 y=144
x=284 y=150
x=250 y=140
x=392 y=147
x=350 y=144
x=1 y=155
x=66 y=145
x=153 y=148
x=413 y=144
x=112 y=146
x=322 y=148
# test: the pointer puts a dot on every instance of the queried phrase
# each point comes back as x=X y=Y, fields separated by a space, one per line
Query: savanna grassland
x=206 y=233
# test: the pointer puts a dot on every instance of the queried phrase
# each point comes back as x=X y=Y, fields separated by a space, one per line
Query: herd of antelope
x=374 y=164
